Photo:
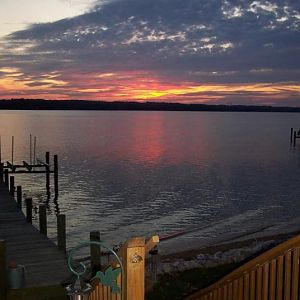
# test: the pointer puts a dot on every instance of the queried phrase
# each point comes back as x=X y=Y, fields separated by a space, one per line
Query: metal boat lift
x=35 y=166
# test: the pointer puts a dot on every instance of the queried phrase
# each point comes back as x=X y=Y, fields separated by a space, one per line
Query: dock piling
x=6 y=177
x=47 y=159
x=95 y=251
x=292 y=132
x=2 y=269
x=19 y=196
x=1 y=171
x=43 y=219
x=295 y=137
x=61 y=232
x=28 y=202
x=12 y=185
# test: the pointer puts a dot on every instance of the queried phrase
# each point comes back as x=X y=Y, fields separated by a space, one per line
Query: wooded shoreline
x=41 y=104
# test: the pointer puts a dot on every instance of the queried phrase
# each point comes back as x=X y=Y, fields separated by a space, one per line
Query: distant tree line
x=41 y=104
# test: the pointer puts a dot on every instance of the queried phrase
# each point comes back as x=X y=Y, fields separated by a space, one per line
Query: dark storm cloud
x=217 y=41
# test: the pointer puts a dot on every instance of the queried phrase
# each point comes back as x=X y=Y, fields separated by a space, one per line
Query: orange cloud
x=134 y=85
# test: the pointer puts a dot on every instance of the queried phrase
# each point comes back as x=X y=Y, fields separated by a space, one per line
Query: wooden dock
x=45 y=265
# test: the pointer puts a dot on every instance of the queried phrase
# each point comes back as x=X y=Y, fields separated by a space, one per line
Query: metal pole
x=34 y=151
x=30 y=150
x=12 y=149
x=55 y=176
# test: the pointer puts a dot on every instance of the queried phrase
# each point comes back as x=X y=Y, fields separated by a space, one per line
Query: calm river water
x=214 y=176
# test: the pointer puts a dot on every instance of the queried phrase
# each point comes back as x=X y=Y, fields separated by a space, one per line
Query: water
x=212 y=175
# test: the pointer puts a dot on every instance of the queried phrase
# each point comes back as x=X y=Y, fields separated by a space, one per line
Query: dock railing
x=272 y=275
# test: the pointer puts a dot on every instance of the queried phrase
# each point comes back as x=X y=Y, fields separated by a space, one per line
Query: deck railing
x=273 y=275
x=133 y=254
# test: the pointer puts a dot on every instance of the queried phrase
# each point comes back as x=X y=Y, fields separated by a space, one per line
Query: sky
x=191 y=51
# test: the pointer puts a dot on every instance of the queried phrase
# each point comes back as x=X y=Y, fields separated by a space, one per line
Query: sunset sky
x=189 y=51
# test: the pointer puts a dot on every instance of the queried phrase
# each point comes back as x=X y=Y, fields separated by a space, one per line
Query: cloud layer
x=190 y=51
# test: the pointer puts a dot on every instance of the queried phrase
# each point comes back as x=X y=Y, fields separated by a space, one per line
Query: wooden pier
x=45 y=265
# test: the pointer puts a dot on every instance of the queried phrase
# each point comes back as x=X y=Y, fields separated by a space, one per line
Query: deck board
x=45 y=265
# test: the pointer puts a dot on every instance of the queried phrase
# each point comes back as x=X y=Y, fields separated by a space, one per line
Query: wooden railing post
x=61 y=232
x=134 y=266
x=95 y=251
x=2 y=269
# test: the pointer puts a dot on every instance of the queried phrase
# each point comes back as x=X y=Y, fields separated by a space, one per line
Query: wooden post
x=153 y=264
x=151 y=247
x=28 y=202
x=19 y=196
x=56 y=176
x=134 y=265
x=1 y=171
x=295 y=136
x=47 y=158
x=61 y=232
x=6 y=177
x=2 y=269
x=12 y=185
x=95 y=251
x=292 y=130
x=43 y=219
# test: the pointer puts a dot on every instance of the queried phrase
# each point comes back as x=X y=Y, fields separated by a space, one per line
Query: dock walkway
x=44 y=264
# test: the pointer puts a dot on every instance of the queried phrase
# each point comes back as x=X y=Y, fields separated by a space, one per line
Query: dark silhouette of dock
x=44 y=264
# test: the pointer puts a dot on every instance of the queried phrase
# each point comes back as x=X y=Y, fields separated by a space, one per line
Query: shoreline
x=223 y=247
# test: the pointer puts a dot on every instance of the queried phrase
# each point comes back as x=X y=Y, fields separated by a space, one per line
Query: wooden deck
x=44 y=264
